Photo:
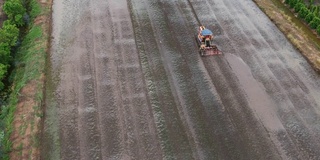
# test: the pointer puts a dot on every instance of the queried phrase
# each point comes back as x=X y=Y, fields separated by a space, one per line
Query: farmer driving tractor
x=205 y=36
x=205 y=41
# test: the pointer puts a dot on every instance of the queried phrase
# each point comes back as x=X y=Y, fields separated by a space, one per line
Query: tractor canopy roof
x=206 y=32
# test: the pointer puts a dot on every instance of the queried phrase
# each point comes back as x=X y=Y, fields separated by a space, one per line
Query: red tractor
x=205 y=42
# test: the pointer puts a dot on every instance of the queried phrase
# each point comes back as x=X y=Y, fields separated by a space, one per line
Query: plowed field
x=126 y=82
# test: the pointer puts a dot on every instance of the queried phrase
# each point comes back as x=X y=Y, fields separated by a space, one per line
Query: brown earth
x=126 y=82
x=27 y=121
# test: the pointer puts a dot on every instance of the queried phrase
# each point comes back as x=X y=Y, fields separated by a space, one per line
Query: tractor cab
x=205 y=42
x=205 y=36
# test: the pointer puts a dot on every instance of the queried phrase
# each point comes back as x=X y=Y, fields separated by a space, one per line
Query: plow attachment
x=209 y=51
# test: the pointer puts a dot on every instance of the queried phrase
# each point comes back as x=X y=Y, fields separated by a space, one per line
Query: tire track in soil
x=88 y=136
x=135 y=125
x=171 y=130
x=287 y=85
x=104 y=69
x=139 y=138
x=235 y=48
x=260 y=60
x=296 y=87
x=225 y=138
x=196 y=121
x=209 y=132
x=102 y=90
x=242 y=123
x=135 y=87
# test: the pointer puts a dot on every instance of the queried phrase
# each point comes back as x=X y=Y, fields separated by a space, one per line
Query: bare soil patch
x=295 y=34
x=125 y=81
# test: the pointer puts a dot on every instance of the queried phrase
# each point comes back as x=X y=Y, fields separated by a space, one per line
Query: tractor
x=205 y=42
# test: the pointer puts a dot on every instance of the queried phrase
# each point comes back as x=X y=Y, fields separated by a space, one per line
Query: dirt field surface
x=126 y=82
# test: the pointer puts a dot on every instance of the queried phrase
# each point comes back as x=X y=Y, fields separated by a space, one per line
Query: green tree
x=310 y=3
x=287 y=1
x=3 y=71
x=292 y=3
x=311 y=8
x=5 y=56
x=309 y=17
x=298 y=6
x=315 y=23
x=315 y=10
x=9 y=33
x=318 y=29
x=318 y=11
x=15 y=11
x=303 y=12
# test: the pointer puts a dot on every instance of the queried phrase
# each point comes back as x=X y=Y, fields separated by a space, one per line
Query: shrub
x=9 y=33
x=287 y=1
x=318 y=29
x=316 y=10
x=312 y=24
x=5 y=56
x=35 y=9
x=310 y=3
x=303 y=12
x=3 y=71
x=315 y=23
x=312 y=8
x=309 y=17
x=15 y=11
x=298 y=6
x=292 y=3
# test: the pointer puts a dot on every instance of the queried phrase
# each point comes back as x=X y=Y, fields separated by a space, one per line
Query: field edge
x=295 y=34
x=28 y=86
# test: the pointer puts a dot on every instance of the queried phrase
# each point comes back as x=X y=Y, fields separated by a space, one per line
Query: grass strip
x=28 y=81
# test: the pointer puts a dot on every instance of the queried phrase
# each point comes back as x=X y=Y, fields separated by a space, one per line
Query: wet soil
x=126 y=82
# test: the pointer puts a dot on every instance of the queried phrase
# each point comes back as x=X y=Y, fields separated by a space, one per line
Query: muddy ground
x=126 y=82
